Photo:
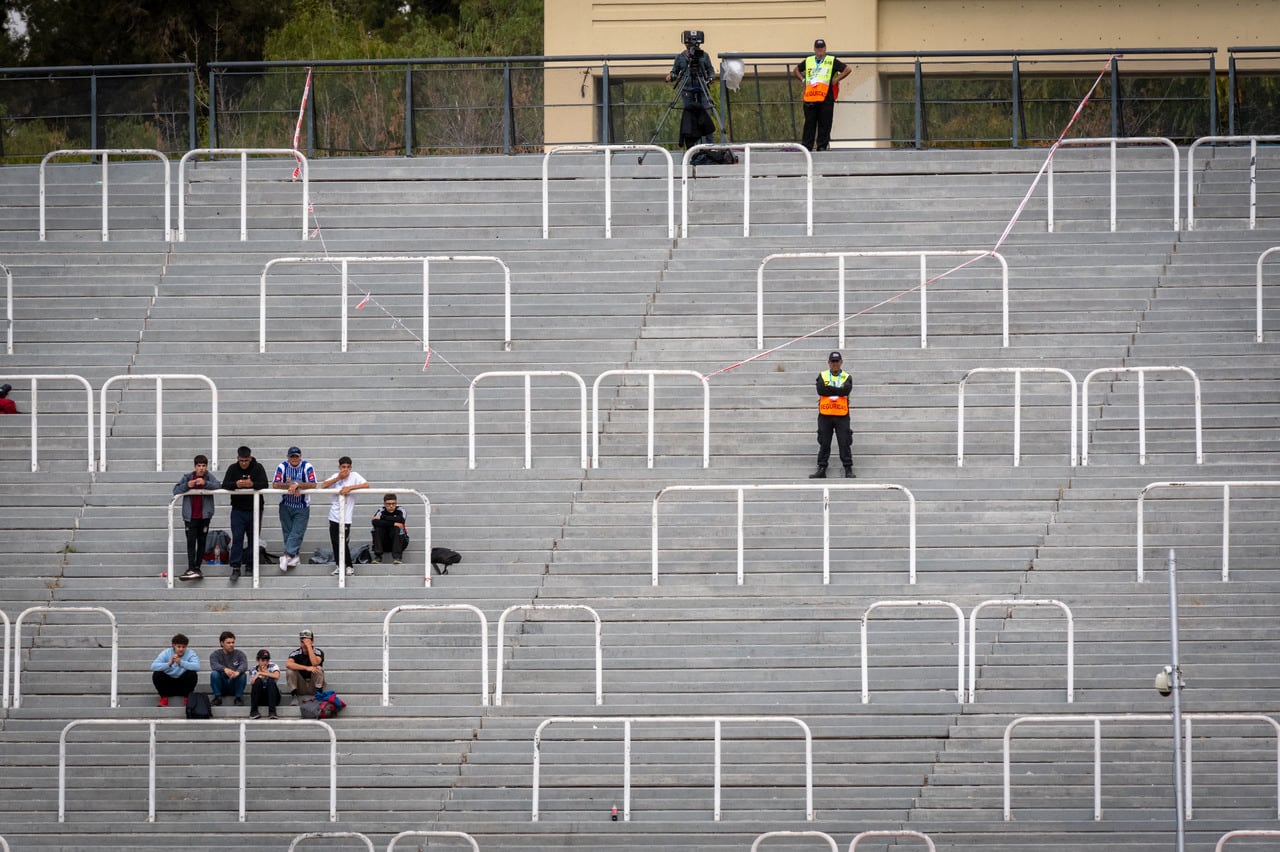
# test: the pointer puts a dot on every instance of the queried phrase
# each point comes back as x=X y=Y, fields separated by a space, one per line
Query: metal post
x=1213 y=94
x=1015 y=99
x=1115 y=96
x=740 y=536
x=311 y=120
x=244 y=196
x=1231 y=93
x=160 y=424
x=1179 y=793
x=408 y=110
x=919 y=106
x=508 y=112
x=605 y=136
x=213 y=111
x=93 y=111
x=192 y=141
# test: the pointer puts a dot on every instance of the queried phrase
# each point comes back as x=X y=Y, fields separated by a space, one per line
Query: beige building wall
x=648 y=26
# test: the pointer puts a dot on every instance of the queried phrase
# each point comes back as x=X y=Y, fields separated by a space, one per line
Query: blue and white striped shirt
x=304 y=472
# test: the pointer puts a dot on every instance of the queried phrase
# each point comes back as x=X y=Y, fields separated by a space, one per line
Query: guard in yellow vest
x=821 y=75
x=834 y=385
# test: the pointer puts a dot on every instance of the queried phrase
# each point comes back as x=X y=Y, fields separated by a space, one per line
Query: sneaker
x=184 y=701
x=294 y=561
x=235 y=574
x=272 y=715
x=255 y=715
x=163 y=702
x=377 y=560
x=284 y=563
x=217 y=701
x=395 y=561
x=238 y=701
x=191 y=574
x=334 y=572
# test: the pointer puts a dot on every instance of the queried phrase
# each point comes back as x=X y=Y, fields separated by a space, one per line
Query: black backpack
x=714 y=157
x=444 y=556
x=198 y=706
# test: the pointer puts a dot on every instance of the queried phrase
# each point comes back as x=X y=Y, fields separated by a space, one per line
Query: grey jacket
x=211 y=483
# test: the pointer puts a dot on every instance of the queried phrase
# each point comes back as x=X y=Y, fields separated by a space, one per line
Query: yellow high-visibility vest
x=817 y=78
x=836 y=405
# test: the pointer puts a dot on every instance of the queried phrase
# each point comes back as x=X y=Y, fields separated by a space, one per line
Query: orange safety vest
x=835 y=405
x=817 y=78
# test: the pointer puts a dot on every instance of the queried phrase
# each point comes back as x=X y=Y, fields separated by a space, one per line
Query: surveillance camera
x=1164 y=681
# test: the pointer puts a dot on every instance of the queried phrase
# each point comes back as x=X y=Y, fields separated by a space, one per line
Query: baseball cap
x=835 y=356
x=306 y=634
x=264 y=654
x=820 y=43
x=294 y=451
x=5 y=388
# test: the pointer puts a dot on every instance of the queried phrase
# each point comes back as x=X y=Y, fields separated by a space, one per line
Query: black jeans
x=333 y=539
x=170 y=687
x=197 y=531
x=264 y=691
x=388 y=539
x=839 y=424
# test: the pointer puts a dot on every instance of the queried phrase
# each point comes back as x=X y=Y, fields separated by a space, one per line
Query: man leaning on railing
x=197 y=512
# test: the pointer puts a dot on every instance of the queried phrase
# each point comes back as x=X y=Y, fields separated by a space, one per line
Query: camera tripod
x=703 y=92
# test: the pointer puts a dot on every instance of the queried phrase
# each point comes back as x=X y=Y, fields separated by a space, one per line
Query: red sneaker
x=163 y=702
x=184 y=701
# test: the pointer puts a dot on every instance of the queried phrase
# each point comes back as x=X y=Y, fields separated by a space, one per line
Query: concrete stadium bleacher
x=698 y=644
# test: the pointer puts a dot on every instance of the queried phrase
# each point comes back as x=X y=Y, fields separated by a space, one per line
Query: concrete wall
x=650 y=26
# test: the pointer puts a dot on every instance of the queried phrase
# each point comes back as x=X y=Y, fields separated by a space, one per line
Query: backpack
x=325 y=705
x=444 y=556
x=714 y=157
x=198 y=706
x=322 y=556
x=364 y=556
x=217 y=547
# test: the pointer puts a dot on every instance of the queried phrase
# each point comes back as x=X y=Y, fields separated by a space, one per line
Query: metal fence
x=506 y=104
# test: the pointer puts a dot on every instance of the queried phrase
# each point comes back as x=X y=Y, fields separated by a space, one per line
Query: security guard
x=821 y=75
x=834 y=385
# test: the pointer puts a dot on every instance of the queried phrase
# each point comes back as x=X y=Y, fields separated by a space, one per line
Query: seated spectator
x=390 y=531
x=264 y=686
x=227 y=670
x=305 y=666
x=173 y=672
x=7 y=406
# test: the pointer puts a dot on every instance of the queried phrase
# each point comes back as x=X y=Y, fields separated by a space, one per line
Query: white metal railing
x=595 y=410
x=746 y=181
x=923 y=255
x=1142 y=408
x=499 y=656
x=826 y=518
x=609 y=151
x=866 y=692
x=1253 y=173
x=197 y=725
x=1225 y=485
x=386 y=645
x=330 y=835
x=1113 y=142
x=1017 y=408
x=917 y=835
x=4 y=681
x=340 y=557
x=425 y=260
x=717 y=721
x=1244 y=832
x=973 y=641
x=527 y=375
x=105 y=154
x=33 y=403
x=244 y=183
x=1097 y=721
x=459 y=835
x=17 y=647
x=8 y=302
x=1257 y=336
x=830 y=841
x=159 y=380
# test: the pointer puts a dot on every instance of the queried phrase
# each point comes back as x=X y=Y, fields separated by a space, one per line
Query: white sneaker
x=294 y=561
x=334 y=572
x=284 y=563
x=350 y=571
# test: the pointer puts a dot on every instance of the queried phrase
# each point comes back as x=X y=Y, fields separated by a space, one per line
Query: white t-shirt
x=352 y=479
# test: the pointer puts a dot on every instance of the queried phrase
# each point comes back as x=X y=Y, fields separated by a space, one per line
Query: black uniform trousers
x=838 y=424
x=818 y=116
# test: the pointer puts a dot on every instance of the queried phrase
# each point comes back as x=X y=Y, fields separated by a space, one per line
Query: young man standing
x=245 y=474
x=294 y=475
x=346 y=481
x=197 y=512
x=227 y=670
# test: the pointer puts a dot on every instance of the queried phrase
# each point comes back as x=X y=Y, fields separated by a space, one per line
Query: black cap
x=819 y=43
x=5 y=388
x=264 y=654
x=835 y=356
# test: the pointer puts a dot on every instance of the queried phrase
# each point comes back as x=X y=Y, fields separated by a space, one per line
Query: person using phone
x=197 y=512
